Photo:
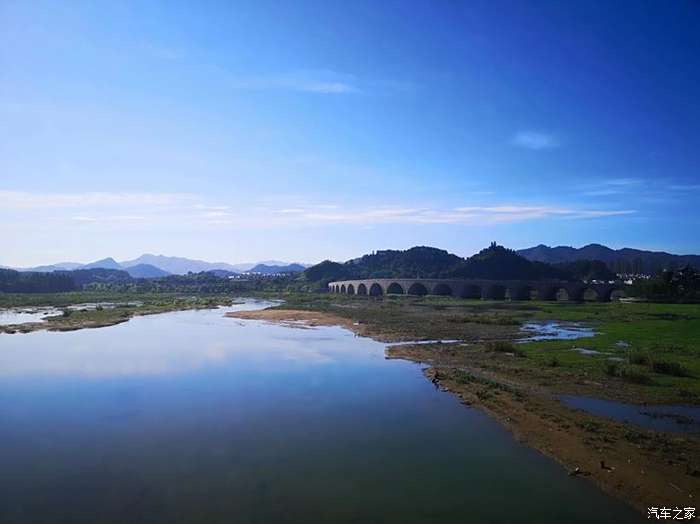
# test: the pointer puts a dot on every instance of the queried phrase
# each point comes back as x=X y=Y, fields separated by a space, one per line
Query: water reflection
x=193 y=417
x=110 y=352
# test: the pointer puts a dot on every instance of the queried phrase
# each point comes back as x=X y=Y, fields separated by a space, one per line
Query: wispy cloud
x=622 y=182
x=602 y=192
x=534 y=140
x=685 y=187
x=312 y=81
x=107 y=218
x=467 y=215
x=27 y=200
x=156 y=211
x=602 y=187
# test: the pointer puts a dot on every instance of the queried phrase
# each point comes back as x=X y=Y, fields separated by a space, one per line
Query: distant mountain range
x=178 y=265
x=155 y=266
x=265 y=269
x=624 y=260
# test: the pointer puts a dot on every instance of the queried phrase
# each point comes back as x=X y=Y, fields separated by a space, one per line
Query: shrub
x=641 y=358
x=632 y=374
x=553 y=362
x=505 y=346
x=686 y=393
x=636 y=375
x=501 y=346
x=464 y=378
x=675 y=369
x=612 y=369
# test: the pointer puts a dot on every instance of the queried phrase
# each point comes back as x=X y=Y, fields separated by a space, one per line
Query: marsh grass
x=631 y=373
x=505 y=346
x=662 y=367
x=675 y=369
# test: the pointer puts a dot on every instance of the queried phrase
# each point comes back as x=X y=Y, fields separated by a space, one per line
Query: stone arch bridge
x=481 y=289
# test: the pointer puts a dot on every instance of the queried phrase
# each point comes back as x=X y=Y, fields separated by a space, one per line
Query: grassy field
x=647 y=351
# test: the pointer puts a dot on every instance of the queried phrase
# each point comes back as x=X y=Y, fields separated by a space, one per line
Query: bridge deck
x=482 y=289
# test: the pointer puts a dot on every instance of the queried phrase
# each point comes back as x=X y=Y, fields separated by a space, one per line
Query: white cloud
x=165 y=211
x=602 y=192
x=622 y=181
x=27 y=200
x=685 y=187
x=314 y=81
x=116 y=218
x=290 y=211
x=534 y=140
x=469 y=215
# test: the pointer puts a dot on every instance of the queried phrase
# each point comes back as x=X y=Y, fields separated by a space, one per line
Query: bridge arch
x=394 y=289
x=375 y=290
x=519 y=292
x=351 y=289
x=547 y=292
x=361 y=289
x=470 y=291
x=562 y=294
x=590 y=295
x=442 y=289
x=494 y=292
x=342 y=288
x=615 y=294
x=417 y=289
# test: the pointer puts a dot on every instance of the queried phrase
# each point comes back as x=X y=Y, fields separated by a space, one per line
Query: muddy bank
x=296 y=318
x=644 y=468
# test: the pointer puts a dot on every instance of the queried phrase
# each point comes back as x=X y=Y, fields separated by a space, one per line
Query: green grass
x=663 y=344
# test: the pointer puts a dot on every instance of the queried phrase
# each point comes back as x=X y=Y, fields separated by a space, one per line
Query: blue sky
x=309 y=130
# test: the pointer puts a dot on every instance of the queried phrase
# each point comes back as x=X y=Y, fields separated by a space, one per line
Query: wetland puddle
x=677 y=419
x=555 y=331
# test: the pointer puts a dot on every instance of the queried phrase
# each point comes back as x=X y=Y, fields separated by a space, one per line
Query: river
x=194 y=417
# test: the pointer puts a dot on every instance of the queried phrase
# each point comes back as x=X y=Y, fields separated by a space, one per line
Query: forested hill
x=624 y=260
x=494 y=262
x=415 y=262
x=497 y=262
x=12 y=281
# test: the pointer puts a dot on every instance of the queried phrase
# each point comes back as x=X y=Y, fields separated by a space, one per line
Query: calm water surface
x=676 y=419
x=193 y=417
